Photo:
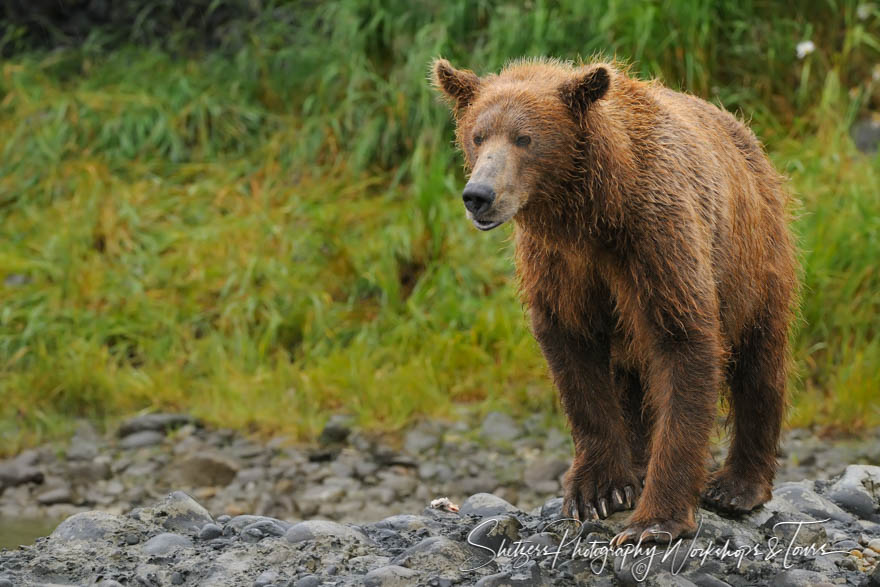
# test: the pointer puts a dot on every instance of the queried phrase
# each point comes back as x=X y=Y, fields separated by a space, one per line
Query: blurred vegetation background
x=249 y=210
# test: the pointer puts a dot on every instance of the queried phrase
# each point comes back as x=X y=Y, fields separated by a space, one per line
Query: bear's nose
x=478 y=197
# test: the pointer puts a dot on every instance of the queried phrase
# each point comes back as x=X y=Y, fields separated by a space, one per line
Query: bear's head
x=520 y=131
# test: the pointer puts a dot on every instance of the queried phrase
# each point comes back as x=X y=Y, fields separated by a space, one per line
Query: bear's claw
x=735 y=495
x=579 y=505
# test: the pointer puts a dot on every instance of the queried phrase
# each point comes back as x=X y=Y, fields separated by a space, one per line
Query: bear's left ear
x=459 y=85
x=579 y=92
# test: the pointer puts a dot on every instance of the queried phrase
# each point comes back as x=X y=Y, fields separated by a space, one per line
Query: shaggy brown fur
x=653 y=252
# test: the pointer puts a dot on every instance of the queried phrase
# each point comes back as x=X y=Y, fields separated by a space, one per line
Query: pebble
x=141 y=439
x=210 y=531
x=310 y=530
x=165 y=543
x=486 y=504
x=499 y=426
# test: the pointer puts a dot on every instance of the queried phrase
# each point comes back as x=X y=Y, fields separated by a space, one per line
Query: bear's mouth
x=486 y=224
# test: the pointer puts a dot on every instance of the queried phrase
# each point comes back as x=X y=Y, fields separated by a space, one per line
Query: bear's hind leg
x=757 y=378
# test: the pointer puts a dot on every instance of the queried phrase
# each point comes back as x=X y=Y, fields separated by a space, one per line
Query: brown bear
x=653 y=253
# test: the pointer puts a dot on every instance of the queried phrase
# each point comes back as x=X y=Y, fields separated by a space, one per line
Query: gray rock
x=851 y=491
x=499 y=426
x=798 y=529
x=308 y=581
x=266 y=578
x=263 y=529
x=486 y=504
x=528 y=575
x=88 y=526
x=804 y=499
x=18 y=471
x=552 y=508
x=239 y=523
x=55 y=495
x=706 y=580
x=866 y=135
x=177 y=512
x=336 y=430
x=874 y=579
x=141 y=439
x=205 y=469
x=418 y=441
x=495 y=531
x=154 y=423
x=165 y=543
x=210 y=531
x=434 y=554
x=313 y=529
x=402 y=522
x=87 y=472
x=541 y=470
x=391 y=576
x=799 y=578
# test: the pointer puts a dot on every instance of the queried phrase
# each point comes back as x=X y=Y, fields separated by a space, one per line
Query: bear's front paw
x=590 y=495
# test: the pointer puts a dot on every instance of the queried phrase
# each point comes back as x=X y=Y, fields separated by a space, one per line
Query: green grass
x=272 y=231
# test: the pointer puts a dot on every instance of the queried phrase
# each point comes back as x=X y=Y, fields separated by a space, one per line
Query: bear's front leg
x=601 y=479
x=683 y=376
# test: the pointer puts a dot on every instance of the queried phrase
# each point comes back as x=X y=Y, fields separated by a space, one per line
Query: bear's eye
x=478 y=140
x=523 y=140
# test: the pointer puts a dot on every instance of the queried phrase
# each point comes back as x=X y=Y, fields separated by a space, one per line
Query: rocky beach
x=163 y=500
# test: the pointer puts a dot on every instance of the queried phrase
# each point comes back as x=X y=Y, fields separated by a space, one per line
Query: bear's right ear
x=579 y=92
x=458 y=85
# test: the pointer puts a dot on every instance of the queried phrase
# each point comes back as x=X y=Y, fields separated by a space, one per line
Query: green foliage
x=271 y=230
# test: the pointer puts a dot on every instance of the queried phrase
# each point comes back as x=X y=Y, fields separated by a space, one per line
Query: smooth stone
x=210 y=531
x=552 y=509
x=486 y=504
x=494 y=531
x=784 y=525
x=87 y=526
x=18 y=471
x=262 y=529
x=798 y=578
x=55 y=495
x=866 y=135
x=500 y=426
x=165 y=543
x=851 y=492
x=154 y=423
x=205 y=469
x=178 y=512
x=390 y=576
x=807 y=501
x=541 y=470
x=874 y=579
x=336 y=430
x=239 y=523
x=436 y=553
x=529 y=575
x=141 y=440
x=401 y=522
x=308 y=581
x=313 y=529
x=418 y=441
x=265 y=578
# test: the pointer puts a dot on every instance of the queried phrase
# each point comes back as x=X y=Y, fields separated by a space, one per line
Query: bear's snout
x=478 y=198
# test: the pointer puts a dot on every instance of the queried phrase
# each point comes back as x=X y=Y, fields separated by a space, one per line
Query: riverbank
x=347 y=476
x=823 y=532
